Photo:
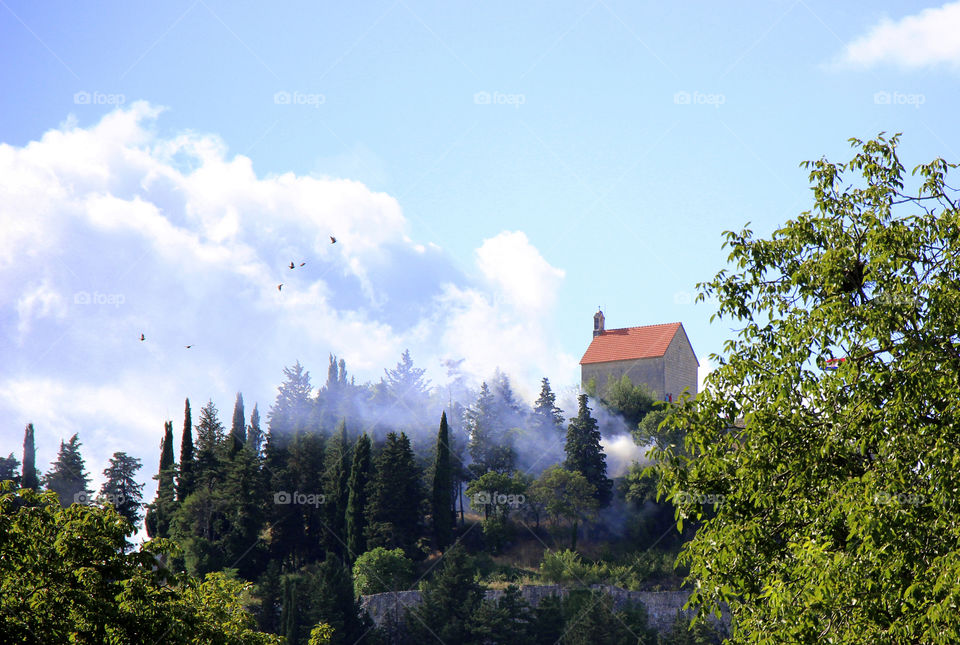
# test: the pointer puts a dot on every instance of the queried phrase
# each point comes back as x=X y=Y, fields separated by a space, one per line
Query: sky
x=492 y=174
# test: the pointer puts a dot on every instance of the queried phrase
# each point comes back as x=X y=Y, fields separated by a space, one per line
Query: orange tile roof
x=649 y=341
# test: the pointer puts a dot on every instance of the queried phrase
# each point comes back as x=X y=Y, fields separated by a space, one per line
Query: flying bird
x=280 y=287
x=302 y=263
x=333 y=240
x=291 y=265
x=142 y=337
x=188 y=346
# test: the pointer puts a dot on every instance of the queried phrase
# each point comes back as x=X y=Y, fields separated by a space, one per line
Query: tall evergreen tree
x=406 y=394
x=547 y=417
x=584 y=453
x=393 y=511
x=449 y=601
x=210 y=441
x=489 y=445
x=254 y=434
x=121 y=488
x=67 y=477
x=185 y=479
x=293 y=408
x=442 y=508
x=8 y=469
x=357 y=498
x=238 y=431
x=30 y=478
x=160 y=511
x=337 y=475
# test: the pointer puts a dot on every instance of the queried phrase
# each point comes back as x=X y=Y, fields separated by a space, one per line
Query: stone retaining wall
x=662 y=606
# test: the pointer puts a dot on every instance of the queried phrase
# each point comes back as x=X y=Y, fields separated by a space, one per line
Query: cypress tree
x=442 y=499
x=584 y=453
x=208 y=466
x=254 y=434
x=29 y=478
x=67 y=477
x=357 y=498
x=157 y=520
x=238 y=431
x=185 y=481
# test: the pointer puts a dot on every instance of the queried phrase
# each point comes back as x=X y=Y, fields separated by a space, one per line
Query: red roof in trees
x=629 y=343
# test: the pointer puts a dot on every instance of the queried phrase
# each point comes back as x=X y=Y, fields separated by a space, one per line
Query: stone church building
x=659 y=356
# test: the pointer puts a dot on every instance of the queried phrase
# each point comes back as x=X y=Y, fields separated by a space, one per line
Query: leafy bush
x=380 y=570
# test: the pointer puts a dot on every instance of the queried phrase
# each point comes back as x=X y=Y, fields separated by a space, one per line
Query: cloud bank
x=114 y=230
x=925 y=39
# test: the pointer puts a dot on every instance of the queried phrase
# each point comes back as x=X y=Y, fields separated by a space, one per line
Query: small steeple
x=597 y=323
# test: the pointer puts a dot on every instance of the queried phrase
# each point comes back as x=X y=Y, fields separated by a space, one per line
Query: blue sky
x=492 y=172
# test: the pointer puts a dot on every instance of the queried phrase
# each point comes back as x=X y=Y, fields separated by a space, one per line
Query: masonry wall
x=649 y=371
x=389 y=609
x=680 y=367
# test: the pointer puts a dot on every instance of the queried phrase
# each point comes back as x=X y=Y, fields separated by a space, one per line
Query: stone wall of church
x=680 y=367
x=649 y=371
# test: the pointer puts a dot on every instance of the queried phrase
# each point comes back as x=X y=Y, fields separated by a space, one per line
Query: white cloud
x=517 y=269
x=37 y=302
x=924 y=39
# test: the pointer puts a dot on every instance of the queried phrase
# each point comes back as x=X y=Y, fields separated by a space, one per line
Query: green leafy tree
x=210 y=447
x=379 y=570
x=393 y=509
x=160 y=511
x=584 y=453
x=442 y=499
x=67 y=476
x=65 y=577
x=838 y=519
x=357 y=490
x=29 y=478
x=121 y=488
x=632 y=402
x=185 y=478
x=566 y=496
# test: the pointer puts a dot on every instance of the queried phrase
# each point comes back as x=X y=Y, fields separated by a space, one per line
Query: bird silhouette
x=142 y=337
x=280 y=287
x=333 y=240
x=302 y=263
x=291 y=265
x=188 y=346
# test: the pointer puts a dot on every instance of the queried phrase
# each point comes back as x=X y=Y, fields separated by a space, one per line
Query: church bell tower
x=597 y=323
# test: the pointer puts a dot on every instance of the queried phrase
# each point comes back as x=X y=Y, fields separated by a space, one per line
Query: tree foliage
x=837 y=507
